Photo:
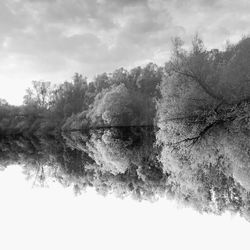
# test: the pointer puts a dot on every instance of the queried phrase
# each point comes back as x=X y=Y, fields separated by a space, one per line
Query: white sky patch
x=53 y=218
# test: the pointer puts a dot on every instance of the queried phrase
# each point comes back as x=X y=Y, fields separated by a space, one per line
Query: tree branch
x=199 y=81
x=204 y=131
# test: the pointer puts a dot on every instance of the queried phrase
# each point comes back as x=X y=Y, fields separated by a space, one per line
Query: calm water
x=127 y=162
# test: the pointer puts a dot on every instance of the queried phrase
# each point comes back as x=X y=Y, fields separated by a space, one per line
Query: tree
x=149 y=79
x=101 y=82
x=119 y=76
x=39 y=95
x=234 y=79
x=70 y=98
x=112 y=107
x=195 y=66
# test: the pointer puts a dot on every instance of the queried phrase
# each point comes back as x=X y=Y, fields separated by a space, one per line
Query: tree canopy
x=197 y=84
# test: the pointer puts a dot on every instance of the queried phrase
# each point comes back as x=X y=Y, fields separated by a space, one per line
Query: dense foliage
x=120 y=160
x=194 y=84
x=203 y=117
x=123 y=98
x=126 y=162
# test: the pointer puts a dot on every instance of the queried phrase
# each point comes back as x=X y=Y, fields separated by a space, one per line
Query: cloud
x=55 y=38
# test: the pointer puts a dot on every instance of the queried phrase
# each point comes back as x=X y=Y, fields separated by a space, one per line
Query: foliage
x=212 y=176
x=200 y=102
x=198 y=85
x=203 y=118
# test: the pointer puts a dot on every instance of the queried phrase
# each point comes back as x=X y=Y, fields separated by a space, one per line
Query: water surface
x=130 y=162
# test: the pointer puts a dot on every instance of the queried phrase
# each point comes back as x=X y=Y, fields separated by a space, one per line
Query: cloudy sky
x=52 y=39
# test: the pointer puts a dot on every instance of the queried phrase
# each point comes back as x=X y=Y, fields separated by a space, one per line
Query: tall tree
x=39 y=95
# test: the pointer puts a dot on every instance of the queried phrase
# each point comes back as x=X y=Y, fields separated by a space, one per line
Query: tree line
x=199 y=85
x=122 y=98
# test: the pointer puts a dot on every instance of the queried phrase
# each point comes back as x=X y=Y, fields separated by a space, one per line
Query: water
x=123 y=188
x=112 y=160
x=130 y=162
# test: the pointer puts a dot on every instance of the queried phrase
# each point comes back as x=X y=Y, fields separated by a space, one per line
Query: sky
x=50 y=40
x=53 y=218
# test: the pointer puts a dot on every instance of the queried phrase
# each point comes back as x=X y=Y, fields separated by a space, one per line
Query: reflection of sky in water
x=53 y=218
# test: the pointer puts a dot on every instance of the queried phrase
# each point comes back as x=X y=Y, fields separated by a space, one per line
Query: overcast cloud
x=52 y=39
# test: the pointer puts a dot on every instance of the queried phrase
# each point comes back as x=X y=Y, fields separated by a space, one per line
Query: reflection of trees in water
x=212 y=175
x=122 y=161
x=209 y=171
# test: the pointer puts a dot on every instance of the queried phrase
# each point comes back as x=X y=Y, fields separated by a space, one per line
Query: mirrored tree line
x=210 y=177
